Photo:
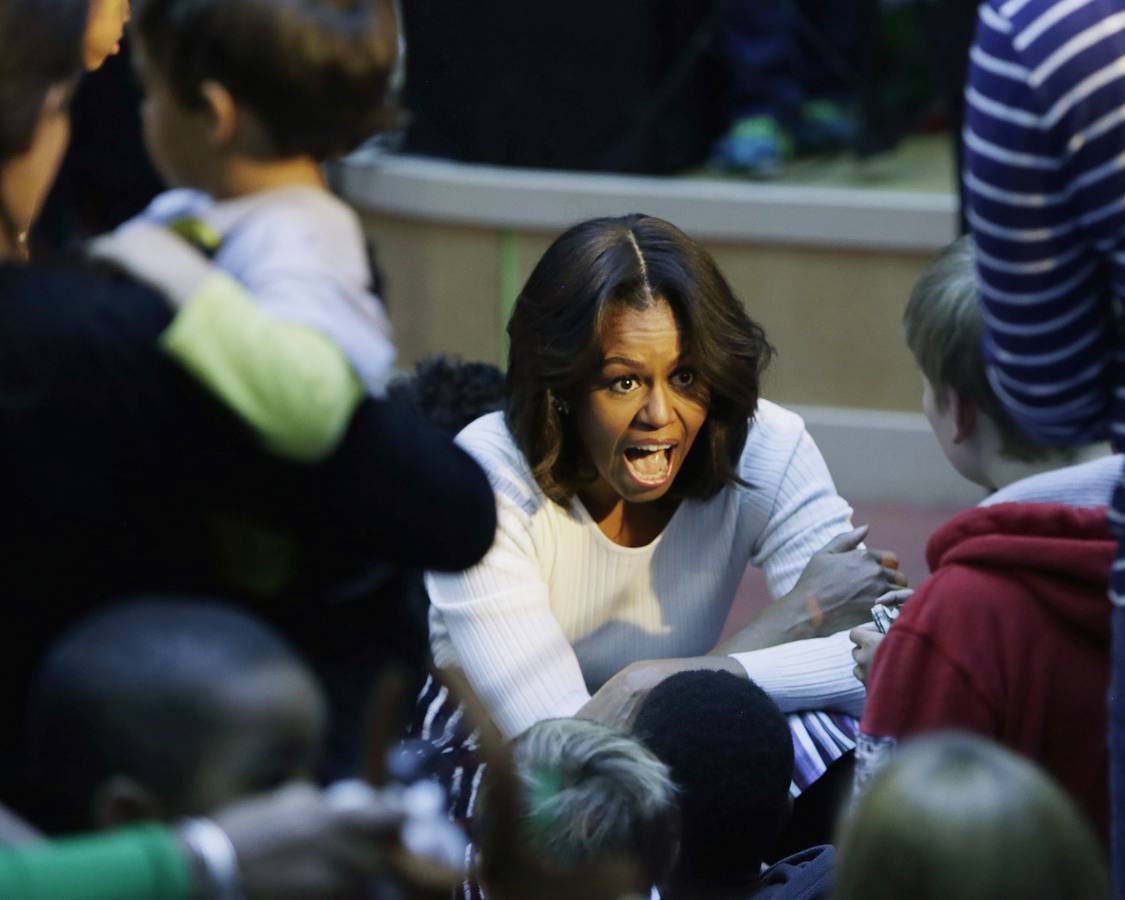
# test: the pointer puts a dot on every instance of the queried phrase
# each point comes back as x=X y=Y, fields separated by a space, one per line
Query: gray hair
x=587 y=792
x=943 y=323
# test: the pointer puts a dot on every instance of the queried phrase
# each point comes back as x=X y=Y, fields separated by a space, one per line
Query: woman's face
x=104 y=29
x=643 y=409
x=26 y=179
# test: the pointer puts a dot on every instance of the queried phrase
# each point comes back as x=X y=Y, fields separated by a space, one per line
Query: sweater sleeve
x=1043 y=182
x=292 y=384
x=143 y=863
x=805 y=675
x=805 y=514
x=508 y=642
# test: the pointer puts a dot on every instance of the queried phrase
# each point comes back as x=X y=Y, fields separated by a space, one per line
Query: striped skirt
x=819 y=739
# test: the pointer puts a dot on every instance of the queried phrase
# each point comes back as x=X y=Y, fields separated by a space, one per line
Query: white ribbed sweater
x=555 y=608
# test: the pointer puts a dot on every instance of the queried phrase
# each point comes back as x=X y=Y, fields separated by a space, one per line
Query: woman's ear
x=222 y=112
x=122 y=800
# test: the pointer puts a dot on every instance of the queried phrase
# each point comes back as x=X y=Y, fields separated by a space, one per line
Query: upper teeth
x=652 y=447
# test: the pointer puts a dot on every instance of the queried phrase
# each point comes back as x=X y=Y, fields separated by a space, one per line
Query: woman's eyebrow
x=621 y=361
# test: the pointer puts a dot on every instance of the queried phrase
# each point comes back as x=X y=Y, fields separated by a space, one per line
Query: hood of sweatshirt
x=1061 y=553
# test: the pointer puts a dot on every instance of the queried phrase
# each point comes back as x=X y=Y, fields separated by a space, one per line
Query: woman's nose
x=657 y=409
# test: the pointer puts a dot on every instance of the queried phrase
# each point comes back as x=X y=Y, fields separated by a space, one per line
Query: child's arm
x=289 y=382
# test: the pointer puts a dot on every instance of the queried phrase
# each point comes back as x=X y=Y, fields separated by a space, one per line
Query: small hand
x=867 y=639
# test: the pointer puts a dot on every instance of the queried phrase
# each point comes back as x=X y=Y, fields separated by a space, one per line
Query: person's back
x=1045 y=189
x=1017 y=590
x=730 y=753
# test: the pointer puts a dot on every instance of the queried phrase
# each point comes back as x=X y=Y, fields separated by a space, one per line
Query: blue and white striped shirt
x=1045 y=182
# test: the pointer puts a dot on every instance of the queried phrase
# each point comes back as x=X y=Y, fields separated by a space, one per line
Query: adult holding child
x=636 y=474
x=121 y=473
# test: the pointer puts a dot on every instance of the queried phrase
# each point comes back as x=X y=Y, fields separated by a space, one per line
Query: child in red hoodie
x=1009 y=636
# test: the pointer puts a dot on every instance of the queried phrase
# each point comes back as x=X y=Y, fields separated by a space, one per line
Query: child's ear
x=122 y=800
x=223 y=112
x=964 y=414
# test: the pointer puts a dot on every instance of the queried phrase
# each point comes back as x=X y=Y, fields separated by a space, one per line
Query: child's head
x=104 y=29
x=588 y=793
x=943 y=321
x=731 y=756
x=451 y=393
x=158 y=709
x=955 y=817
x=265 y=79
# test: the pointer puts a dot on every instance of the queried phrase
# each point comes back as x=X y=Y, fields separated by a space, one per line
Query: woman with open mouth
x=636 y=475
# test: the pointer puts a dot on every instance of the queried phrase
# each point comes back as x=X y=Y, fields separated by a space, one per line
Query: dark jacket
x=119 y=474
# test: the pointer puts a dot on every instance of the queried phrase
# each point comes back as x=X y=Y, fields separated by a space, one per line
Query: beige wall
x=834 y=315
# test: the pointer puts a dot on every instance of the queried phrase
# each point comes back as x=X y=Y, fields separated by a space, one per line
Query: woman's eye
x=623 y=385
x=683 y=378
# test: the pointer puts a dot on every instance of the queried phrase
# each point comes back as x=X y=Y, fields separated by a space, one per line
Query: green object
x=546 y=786
x=508 y=262
x=292 y=384
x=140 y=863
x=199 y=234
x=755 y=145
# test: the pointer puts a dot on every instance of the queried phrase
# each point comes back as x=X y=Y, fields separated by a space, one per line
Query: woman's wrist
x=778 y=624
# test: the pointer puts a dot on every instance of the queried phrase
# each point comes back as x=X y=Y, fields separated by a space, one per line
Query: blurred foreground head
x=955 y=817
x=164 y=708
x=588 y=794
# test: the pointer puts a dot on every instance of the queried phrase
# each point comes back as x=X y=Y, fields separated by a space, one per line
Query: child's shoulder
x=178 y=203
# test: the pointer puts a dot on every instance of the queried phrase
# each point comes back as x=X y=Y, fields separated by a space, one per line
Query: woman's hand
x=618 y=701
x=839 y=586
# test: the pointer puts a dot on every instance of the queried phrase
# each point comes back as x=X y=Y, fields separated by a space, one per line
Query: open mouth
x=649 y=464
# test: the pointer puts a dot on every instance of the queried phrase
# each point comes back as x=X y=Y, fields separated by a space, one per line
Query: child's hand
x=152 y=254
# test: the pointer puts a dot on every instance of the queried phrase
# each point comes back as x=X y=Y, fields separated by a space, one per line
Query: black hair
x=317 y=73
x=555 y=332
x=731 y=755
x=130 y=690
x=451 y=393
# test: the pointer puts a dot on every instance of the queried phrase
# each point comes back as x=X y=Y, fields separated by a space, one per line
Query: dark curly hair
x=555 y=334
x=316 y=72
x=731 y=755
x=449 y=392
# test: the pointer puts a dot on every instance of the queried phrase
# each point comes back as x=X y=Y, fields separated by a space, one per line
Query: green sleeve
x=140 y=863
x=290 y=383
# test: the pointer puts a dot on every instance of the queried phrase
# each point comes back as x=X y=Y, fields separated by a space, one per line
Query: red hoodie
x=1009 y=638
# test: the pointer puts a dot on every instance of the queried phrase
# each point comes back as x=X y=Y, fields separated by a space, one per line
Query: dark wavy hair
x=556 y=330
x=316 y=72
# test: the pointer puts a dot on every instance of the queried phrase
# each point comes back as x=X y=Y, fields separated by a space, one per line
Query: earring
x=562 y=407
